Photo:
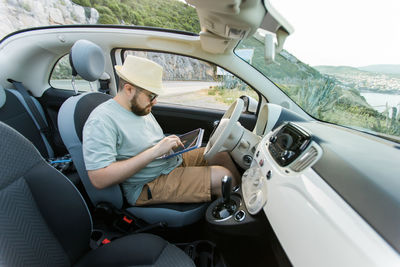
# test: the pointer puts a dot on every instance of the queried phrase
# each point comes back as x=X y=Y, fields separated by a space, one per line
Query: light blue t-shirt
x=113 y=133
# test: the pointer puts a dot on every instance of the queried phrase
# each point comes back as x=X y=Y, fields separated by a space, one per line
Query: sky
x=343 y=32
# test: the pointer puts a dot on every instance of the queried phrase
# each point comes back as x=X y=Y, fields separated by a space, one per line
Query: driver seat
x=71 y=120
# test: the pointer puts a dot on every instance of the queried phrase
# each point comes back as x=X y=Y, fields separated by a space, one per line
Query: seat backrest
x=87 y=60
x=15 y=113
x=44 y=221
x=71 y=119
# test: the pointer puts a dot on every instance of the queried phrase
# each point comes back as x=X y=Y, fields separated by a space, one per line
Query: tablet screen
x=188 y=139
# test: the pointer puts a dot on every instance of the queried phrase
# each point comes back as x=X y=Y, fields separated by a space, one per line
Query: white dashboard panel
x=314 y=225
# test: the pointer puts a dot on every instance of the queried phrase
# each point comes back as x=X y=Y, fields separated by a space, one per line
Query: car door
x=180 y=119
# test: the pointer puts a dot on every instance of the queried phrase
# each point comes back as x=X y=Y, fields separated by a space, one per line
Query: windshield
x=339 y=84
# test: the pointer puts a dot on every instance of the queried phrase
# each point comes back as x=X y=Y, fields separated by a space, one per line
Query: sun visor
x=274 y=22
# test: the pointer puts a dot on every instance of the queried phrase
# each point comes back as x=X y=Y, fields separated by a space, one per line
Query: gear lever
x=226 y=187
x=227 y=207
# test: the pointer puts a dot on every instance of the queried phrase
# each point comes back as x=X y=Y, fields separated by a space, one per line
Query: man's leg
x=224 y=159
x=221 y=165
x=217 y=173
x=192 y=181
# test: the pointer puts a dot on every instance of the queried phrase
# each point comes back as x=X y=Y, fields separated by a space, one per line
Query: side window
x=192 y=82
x=61 y=76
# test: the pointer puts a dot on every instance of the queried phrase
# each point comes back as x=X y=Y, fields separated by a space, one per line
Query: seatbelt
x=104 y=88
x=104 y=81
x=43 y=128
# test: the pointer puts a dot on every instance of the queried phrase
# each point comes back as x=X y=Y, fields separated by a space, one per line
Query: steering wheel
x=228 y=132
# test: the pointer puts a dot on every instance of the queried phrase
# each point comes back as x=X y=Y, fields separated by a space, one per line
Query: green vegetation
x=170 y=14
x=230 y=89
x=323 y=96
x=229 y=95
x=63 y=70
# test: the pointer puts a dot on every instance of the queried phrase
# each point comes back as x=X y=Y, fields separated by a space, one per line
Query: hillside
x=339 y=70
x=17 y=15
x=382 y=68
x=170 y=14
x=287 y=66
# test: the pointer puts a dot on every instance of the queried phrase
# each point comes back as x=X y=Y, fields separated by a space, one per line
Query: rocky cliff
x=180 y=67
x=20 y=14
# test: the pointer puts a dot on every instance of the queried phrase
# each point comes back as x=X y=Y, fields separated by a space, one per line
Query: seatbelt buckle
x=127 y=220
x=125 y=223
x=105 y=241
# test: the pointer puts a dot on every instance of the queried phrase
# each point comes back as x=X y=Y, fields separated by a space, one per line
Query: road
x=191 y=93
x=173 y=88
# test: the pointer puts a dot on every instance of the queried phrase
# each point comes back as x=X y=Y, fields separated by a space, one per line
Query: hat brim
x=156 y=90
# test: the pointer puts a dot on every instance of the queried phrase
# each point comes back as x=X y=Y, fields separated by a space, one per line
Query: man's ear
x=128 y=89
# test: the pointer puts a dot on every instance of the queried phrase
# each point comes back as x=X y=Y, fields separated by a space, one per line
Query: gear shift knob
x=226 y=186
x=228 y=206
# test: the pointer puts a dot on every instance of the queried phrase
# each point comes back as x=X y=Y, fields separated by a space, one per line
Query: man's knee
x=217 y=173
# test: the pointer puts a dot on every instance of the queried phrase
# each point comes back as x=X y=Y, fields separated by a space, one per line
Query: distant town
x=364 y=81
x=381 y=83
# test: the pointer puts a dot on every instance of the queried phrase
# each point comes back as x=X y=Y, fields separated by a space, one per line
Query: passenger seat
x=15 y=112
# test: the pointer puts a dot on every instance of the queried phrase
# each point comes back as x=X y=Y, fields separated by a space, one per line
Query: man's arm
x=119 y=171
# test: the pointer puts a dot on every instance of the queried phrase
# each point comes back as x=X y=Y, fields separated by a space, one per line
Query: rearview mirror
x=269 y=48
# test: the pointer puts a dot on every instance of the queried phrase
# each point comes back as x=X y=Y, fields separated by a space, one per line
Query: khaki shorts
x=188 y=183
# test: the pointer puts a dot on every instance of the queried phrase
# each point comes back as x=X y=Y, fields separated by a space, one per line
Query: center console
x=287 y=151
x=229 y=214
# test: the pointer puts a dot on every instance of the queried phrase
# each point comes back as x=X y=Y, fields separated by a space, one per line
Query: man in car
x=123 y=143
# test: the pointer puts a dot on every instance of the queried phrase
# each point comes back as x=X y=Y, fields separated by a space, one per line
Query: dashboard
x=315 y=220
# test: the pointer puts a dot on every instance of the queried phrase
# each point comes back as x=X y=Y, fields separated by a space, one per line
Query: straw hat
x=142 y=72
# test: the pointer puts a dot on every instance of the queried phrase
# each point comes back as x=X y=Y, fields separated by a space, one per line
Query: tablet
x=191 y=140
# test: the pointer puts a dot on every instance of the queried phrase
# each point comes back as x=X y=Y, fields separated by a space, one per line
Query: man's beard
x=135 y=107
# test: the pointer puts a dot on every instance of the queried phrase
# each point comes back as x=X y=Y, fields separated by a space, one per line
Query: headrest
x=87 y=60
x=2 y=96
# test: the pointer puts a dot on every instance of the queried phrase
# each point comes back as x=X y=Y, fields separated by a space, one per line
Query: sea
x=379 y=101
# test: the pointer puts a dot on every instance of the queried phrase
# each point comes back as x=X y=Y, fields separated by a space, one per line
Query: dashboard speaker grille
x=305 y=161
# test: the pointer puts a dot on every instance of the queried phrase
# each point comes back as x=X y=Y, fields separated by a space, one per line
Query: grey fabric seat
x=71 y=119
x=15 y=112
x=44 y=221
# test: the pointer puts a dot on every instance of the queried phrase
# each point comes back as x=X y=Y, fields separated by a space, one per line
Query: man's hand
x=119 y=171
x=166 y=144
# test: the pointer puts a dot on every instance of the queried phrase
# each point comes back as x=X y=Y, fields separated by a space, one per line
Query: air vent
x=306 y=160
